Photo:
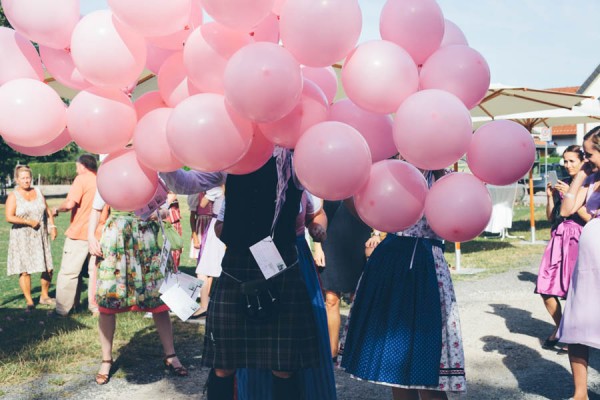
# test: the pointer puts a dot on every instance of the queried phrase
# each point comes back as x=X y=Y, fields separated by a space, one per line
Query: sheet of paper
x=179 y=302
x=267 y=257
x=188 y=283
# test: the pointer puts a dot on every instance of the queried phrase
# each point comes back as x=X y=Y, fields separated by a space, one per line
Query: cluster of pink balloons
x=258 y=75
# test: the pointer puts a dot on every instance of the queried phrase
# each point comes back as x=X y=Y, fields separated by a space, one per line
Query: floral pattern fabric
x=129 y=274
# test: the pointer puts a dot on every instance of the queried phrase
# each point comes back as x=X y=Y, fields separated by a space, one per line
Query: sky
x=539 y=44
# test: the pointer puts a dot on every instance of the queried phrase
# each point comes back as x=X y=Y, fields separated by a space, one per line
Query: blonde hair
x=20 y=168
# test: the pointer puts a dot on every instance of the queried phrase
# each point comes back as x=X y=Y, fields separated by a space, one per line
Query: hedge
x=54 y=173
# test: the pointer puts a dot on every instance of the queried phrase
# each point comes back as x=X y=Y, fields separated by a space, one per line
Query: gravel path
x=502 y=320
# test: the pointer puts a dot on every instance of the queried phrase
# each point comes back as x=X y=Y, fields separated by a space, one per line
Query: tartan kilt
x=286 y=342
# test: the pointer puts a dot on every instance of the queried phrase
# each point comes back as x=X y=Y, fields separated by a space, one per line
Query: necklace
x=27 y=194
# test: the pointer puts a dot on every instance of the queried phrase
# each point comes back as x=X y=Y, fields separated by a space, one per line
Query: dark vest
x=250 y=207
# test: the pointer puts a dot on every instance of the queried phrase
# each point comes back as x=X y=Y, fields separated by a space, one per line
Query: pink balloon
x=101 y=120
x=19 y=57
x=31 y=113
x=459 y=70
x=320 y=33
x=379 y=75
x=375 y=128
x=48 y=23
x=147 y=102
x=501 y=143
x=432 y=129
x=156 y=56
x=263 y=82
x=458 y=207
x=152 y=17
x=44 y=150
x=124 y=183
x=332 y=160
x=267 y=30
x=173 y=83
x=325 y=78
x=206 y=54
x=150 y=142
x=453 y=35
x=177 y=40
x=415 y=25
x=277 y=6
x=394 y=197
x=259 y=153
x=310 y=110
x=205 y=135
x=242 y=15
x=60 y=65
x=106 y=52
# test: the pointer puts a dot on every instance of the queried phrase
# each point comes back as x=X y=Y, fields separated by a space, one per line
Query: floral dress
x=28 y=248
x=129 y=275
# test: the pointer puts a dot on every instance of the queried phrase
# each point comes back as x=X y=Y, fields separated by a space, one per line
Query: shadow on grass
x=524 y=226
x=141 y=359
x=479 y=245
x=20 y=329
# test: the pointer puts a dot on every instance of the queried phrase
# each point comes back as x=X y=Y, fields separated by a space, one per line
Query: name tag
x=267 y=257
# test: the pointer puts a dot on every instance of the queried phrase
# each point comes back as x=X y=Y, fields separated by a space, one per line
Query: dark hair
x=574 y=149
x=88 y=161
x=594 y=136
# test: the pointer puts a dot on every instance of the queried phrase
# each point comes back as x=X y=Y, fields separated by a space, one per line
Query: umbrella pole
x=457 y=244
x=531 y=206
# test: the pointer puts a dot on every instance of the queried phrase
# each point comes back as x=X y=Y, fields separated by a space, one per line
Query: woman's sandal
x=178 y=371
x=102 y=379
x=549 y=344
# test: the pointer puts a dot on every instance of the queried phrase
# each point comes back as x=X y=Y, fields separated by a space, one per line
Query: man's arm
x=191 y=182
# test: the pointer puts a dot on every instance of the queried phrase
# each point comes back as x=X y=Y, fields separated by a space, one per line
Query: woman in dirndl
x=580 y=324
x=128 y=279
x=559 y=258
x=403 y=329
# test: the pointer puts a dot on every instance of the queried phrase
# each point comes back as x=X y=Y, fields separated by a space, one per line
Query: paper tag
x=190 y=284
x=267 y=257
x=160 y=197
x=164 y=255
x=179 y=302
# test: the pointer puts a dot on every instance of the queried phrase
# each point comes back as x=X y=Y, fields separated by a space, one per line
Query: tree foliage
x=3 y=20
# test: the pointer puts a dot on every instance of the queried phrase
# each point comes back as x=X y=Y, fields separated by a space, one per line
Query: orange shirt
x=82 y=192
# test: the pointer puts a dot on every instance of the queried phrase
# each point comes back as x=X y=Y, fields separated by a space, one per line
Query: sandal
x=102 y=379
x=178 y=371
x=549 y=344
x=48 y=301
x=29 y=308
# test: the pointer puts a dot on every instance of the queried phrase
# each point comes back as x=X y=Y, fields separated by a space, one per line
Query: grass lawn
x=36 y=344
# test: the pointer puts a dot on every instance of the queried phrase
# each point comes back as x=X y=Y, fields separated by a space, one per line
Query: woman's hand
x=373 y=241
x=549 y=191
x=53 y=233
x=34 y=224
x=319 y=256
x=562 y=187
x=94 y=246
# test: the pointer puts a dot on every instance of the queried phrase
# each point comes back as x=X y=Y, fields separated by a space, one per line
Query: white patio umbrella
x=503 y=100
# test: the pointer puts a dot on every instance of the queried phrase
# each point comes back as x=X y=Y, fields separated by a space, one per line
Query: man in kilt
x=282 y=337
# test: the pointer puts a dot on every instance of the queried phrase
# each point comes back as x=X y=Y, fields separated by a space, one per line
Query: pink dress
x=559 y=258
x=581 y=320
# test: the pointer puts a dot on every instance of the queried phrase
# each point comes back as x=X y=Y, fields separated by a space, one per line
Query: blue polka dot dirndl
x=395 y=330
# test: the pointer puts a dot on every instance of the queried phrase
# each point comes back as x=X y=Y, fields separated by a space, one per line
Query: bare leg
x=578 y=357
x=204 y=292
x=332 y=306
x=162 y=321
x=45 y=281
x=555 y=310
x=405 y=394
x=432 y=395
x=25 y=284
x=106 y=329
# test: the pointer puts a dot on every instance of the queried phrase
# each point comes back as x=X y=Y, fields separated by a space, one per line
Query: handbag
x=173 y=236
x=259 y=300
